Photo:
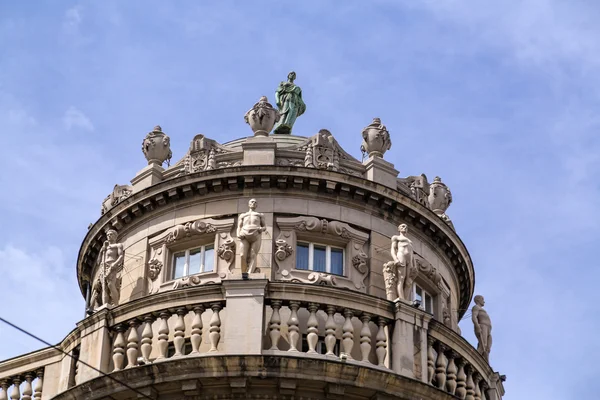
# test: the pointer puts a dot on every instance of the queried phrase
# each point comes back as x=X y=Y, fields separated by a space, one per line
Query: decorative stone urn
x=376 y=139
x=440 y=196
x=262 y=117
x=157 y=147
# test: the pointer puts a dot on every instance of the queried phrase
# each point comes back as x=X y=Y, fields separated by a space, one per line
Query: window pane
x=320 y=259
x=195 y=261
x=178 y=265
x=209 y=258
x=337 y=261
x=419 y=295
x=301 y=256
x=428 y=303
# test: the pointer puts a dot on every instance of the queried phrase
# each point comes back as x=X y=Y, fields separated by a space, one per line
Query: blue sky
x=499 y=98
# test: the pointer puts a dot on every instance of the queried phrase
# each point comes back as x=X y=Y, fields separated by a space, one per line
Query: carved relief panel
x=204 y=232
x=293 y=231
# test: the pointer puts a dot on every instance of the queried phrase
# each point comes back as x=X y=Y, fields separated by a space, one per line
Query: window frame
x=311 y=253
x=186 y=267
x=425 y=294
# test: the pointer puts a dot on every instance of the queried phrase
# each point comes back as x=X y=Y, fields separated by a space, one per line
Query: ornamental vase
x=262 y=117
x=157 y=147
x=439 y=196
x=376 y=139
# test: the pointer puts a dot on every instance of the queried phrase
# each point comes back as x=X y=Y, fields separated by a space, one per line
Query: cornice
x=396 y=207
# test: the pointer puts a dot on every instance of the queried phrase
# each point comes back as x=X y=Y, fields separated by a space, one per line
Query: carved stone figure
x=400 y=273
x=376 y=139
x=251 y=225
x=288 y=98
x=110 y=261
x=157 y=147
x=119 y=193
x=483 y=327
x=154 y=269
x=262 y=117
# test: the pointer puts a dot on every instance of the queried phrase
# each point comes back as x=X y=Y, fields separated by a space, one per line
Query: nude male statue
x=483 y=327
x=400 y=272
x=110 y=260
x=251 y=225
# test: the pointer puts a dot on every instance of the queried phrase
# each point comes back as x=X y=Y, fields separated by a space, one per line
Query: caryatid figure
x=251 y=225
x=399 y=273
x=483 y=327
x=110 y=261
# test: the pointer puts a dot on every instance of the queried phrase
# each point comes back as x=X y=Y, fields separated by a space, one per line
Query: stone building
x=271 y=266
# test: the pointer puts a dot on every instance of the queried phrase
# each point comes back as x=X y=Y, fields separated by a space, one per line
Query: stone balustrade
x=23 y=386
x=454 y=366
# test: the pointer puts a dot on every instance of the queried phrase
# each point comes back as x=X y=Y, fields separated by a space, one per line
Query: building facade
x=272 y=266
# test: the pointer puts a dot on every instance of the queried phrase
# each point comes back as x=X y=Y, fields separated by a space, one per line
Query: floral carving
x=190 y=228
x=318 y=278
x=194 y=280
x=119 y=193
x=284 y=250
x=226 y=250
x=359 y=262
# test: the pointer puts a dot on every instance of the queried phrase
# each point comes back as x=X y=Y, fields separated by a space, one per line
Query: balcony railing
x=257 y=317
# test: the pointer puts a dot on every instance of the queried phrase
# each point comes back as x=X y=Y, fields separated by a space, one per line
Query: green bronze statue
x=288 y=98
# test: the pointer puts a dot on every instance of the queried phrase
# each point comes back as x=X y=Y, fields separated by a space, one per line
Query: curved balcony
x=255 y=336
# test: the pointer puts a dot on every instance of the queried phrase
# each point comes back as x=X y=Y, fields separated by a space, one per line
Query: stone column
x=259 y=150
x=96 y=345
x=243 y=322
x=381 y=171
x=148 y=176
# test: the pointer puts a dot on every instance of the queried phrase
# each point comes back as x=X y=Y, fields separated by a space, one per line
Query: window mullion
x=311 y=252
x=186 y=266
x=328 y=259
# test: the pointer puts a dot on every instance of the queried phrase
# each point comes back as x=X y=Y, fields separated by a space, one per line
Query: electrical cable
x=76 y=359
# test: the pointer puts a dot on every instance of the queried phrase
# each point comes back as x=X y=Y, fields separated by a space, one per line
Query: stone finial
x=376 y=139
x=262 y=117
x=439 y=199
x=483 y=327
x=157 y=147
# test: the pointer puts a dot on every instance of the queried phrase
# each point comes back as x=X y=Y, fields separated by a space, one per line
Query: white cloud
x=72 y=19
x=76 y=119
x=39 y=294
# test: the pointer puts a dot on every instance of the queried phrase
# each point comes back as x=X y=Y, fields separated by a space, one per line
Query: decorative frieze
x=119 y=193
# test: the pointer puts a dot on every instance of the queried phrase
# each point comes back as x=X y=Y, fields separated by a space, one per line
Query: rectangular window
x=320 y=258
x=193 y=261
x=424 y=298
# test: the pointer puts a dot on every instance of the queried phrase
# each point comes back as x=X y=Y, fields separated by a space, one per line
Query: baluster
x=179 y=334
x=312 y=336
x=4 y=389
x=16 y=390
x=27 y=389
x=430 y=359
x=37 y=388
x=440 y=367
x=484 y=389
x=461 y=380
x=214 y=332
x=119 y=348
x=381 y=344
x=275 y=325
x=477 y=389
x=330 y=331
x=147 y=336
x=348 y=333
x=196 y=334
x=163 y=335
x=132 y=344
x=451 y=373
x=365 y=337
x=293 y=328
x=470 y=385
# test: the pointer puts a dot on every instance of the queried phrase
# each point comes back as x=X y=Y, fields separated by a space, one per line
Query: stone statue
x=400 y=273
x=288 y=98
x=154 y=269
x=483 y=327
x=110 y=260
x=251 y=225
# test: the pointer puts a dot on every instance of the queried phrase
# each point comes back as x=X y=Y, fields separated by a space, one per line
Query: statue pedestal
x=381 y=171
x=244 y=331
x=150 y=175
x=259 y=150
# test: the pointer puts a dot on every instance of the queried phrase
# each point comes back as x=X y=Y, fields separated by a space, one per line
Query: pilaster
x=96 y=345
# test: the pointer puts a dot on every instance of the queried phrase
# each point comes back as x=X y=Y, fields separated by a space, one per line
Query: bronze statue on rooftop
x=288 y=98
